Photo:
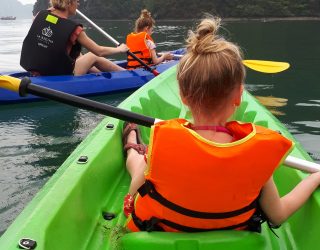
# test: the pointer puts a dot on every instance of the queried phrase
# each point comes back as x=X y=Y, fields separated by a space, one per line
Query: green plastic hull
x=68 y=212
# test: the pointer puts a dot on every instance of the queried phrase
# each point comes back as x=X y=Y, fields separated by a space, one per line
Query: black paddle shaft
x=26 y=87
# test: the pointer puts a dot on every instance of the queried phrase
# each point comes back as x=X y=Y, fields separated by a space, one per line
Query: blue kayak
x=89 y=84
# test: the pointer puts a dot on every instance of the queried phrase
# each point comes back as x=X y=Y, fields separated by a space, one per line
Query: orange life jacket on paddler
x=194 y=185
x=136 y=42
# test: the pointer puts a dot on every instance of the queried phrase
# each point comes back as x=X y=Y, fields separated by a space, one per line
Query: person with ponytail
x=53 y=45
x=141 y=43
x=211 y=173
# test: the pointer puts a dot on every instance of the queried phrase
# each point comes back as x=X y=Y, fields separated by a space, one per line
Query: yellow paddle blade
x=10 y=83
x=266 y=66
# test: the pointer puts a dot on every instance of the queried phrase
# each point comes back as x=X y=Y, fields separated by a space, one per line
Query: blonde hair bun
x=144 y=20
x=205 y=39
x=145 y=14
x=208 y=27
x=211 y=69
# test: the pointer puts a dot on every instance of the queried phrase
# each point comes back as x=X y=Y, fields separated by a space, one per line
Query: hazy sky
x=27 y=1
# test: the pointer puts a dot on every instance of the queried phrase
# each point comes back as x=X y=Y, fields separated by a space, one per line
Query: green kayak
x=80 y=207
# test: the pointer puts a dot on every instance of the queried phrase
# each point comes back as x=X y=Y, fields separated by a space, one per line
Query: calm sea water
x=36 y=138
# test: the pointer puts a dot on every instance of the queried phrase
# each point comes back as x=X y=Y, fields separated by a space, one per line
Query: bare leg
x=136 y=165
x=94 y=70
x=89 y=60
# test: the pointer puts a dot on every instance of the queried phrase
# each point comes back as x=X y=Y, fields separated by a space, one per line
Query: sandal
x=139 y=146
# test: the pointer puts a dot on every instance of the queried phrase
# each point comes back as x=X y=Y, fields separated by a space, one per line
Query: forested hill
x=190 y=9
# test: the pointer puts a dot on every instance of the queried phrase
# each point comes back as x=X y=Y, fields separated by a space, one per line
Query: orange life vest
x=193 y=184
x=136 y=42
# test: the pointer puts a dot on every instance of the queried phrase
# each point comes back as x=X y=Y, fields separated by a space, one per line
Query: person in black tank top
x=53 y=45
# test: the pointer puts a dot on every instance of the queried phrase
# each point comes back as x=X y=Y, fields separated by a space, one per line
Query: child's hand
x=168 y=56
x=123 y=48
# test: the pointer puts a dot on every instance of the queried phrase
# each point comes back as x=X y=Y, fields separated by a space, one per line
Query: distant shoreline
x=228 y=19
x=270 y=19
x=263 y=19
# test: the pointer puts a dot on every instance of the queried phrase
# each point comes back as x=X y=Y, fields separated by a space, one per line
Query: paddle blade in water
x=266 y=66
x=10 y=83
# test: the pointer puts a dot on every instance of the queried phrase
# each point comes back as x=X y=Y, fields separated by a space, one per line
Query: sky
x=27 y=1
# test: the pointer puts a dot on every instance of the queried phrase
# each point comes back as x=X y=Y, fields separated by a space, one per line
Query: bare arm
x=98 y=50
x=279 y=209
x=163 y=57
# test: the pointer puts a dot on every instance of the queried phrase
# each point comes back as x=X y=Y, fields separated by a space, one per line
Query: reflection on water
x=273 y=104
x=12 y=34
x=271 y=101
x=36 y=138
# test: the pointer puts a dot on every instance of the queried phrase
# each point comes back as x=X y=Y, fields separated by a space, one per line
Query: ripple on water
x=257 y=87
x=169 y=44
x=17 y=193
x=167 y=28
x=29 y=157
x=23 y=172
x=310 y=124
x=293 y=129
x=310 y=103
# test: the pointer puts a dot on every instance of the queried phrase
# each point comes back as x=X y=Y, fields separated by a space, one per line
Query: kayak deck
x=68 y=212
x=87 y=85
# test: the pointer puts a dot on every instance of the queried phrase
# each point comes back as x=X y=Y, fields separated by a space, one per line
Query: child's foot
x=129 y=141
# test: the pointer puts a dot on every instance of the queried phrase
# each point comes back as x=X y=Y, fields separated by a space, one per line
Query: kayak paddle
x=259 y=65
x=115 y=42
x=25 y=86
x=266 y=66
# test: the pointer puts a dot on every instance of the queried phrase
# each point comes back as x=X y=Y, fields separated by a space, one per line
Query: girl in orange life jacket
x=208 y=174
x=142 y=45
x=61 y=54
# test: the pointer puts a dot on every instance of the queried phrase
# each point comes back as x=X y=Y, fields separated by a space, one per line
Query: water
x=36 y=138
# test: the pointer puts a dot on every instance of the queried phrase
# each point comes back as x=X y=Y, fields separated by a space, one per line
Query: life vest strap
x=146 y=225
x=253 y=224
x=142 y=58
x=136 y=52
x=148 y=189
x=139 y=52
x=138 y=65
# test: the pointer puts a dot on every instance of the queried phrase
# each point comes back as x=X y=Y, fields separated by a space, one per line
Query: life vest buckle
x=152 y=225
x=146 y=188
x=147 y=225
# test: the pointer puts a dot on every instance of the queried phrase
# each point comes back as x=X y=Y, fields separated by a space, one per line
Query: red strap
x=213 y=128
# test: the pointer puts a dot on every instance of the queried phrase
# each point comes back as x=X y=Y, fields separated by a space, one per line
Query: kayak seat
x=194 y=241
